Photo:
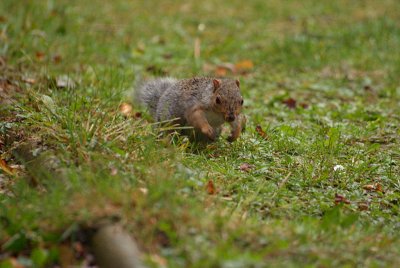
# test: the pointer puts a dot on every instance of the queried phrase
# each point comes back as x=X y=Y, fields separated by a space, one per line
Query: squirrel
x=201 y=102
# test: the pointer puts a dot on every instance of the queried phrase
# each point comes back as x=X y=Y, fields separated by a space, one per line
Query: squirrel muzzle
x=231 y=117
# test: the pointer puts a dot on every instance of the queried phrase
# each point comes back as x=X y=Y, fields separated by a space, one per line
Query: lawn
x=313 y=182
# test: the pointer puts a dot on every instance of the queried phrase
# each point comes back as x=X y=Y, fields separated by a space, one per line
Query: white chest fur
x=214 y=119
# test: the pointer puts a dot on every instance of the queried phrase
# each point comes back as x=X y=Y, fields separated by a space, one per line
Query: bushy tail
x=147 y=93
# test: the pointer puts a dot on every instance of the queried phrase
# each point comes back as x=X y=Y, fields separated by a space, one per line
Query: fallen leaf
x=369 y=187
x=341 y=199
x=245 y=167
x=211 y=188
x=244 y=65
x=29 y=80
x=290 y=103
x=362 y=206
x=125 y=109
x=376 y=187
x=40 y=55
x=49 y=103
x=261 y=132
x=7 y=169
x=57 y=58
x=220 y=71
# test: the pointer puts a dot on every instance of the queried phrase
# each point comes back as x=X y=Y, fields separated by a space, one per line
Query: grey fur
x=172 y=99
x=148 y=93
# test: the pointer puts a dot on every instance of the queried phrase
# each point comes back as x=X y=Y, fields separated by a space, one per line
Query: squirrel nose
x=231 y=117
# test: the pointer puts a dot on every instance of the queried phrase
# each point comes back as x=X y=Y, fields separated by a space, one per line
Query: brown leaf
x=290 y=102
x=6 y=168
x=261 y=132
x=246 y=167
x=40 y=55
x=211 y=190
x=376 y=187
x=125 y=109
x=57 y=58
x=363 y=205
x=341 y=199
x=29 y=80
x=369 y=187
x=220 y=71
x=244 y=65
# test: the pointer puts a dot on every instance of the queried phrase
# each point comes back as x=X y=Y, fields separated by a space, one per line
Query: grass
x=272 y=200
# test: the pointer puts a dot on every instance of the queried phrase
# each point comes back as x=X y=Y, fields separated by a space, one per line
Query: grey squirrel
x=202 y=103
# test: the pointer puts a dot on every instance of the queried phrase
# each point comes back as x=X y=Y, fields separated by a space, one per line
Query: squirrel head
x=226 y=99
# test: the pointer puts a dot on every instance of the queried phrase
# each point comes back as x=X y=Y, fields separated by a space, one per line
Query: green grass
x=340 y=60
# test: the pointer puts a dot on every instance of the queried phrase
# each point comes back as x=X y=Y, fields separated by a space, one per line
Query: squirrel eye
x=241 y=102
x=218 y=100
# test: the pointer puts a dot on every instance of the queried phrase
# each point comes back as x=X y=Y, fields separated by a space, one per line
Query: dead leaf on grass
x=125 y=109
x=376 y=187
x=363 y=206
x=290 y=103
x=246 y=167
x=6 y=168
x=244 y=66
x=211 y=190
x=261 y=132
x=40 y=55
x=340 y=199
x=57 y=58
x=220 y=71
x=29 y=80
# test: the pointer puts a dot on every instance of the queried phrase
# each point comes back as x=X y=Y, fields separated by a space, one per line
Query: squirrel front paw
x=209 y=132
x=231 y=138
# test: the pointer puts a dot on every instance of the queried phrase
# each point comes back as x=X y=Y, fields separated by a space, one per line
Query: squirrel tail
x=147 y=93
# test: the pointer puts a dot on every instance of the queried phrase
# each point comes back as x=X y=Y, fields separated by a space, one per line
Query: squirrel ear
x=217 y=84
x=237 y=82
